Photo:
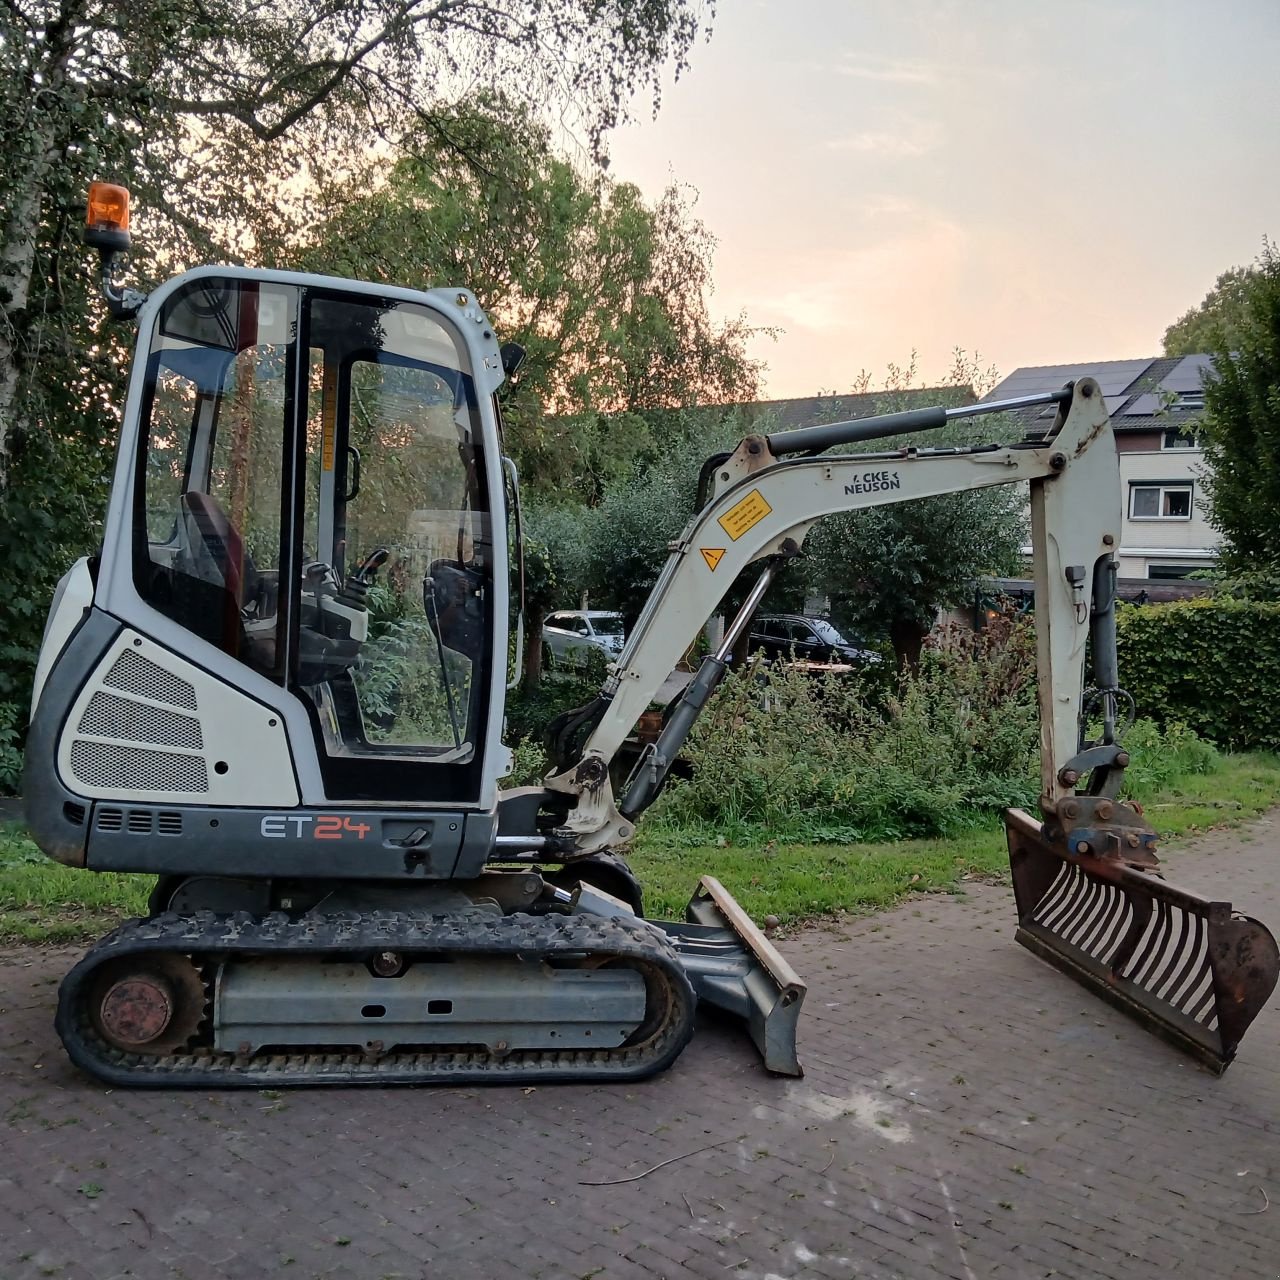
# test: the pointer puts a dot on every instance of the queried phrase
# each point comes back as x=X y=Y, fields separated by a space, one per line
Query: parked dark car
x=789 y=636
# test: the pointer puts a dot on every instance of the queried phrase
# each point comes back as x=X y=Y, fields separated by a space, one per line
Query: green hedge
x=1209 y=663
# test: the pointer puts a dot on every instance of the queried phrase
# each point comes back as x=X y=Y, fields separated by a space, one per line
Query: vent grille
x=140 y=822
x=135 y=674
x=101 y=764
x=112 y=717
x=74 y=813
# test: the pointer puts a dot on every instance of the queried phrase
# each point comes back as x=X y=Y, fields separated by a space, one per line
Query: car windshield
x=826 y=632
x=608 y=625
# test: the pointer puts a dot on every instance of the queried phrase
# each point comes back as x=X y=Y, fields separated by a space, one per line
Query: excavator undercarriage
x=455 y=992
x=386 y=997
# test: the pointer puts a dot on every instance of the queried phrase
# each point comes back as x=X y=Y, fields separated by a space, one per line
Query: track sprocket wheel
x=148 y=1004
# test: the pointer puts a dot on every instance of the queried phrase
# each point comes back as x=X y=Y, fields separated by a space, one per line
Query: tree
x=195 y=103
x=888 y=570
x=626 y=536
x=1217 y=320
x=554 y=565
x=224 y=117
x=608 y=295
x=1240 y=427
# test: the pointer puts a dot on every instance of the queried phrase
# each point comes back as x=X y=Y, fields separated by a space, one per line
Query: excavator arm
x=768 y=494
x=1192 y=970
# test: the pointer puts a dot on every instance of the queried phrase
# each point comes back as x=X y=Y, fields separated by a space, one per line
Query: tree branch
x=334 y=70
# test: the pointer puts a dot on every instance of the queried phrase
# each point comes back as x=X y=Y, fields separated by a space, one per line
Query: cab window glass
x=397 y=538
x=207 y=546
x=173 y=410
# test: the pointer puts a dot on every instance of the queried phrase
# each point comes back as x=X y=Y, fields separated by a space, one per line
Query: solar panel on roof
x=1113 y=405
x=1026 y=382
x=1114 y=376
x=1186 y=374
x=1143 y=407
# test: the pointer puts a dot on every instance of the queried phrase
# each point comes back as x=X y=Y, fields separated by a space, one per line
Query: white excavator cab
x=305 y=489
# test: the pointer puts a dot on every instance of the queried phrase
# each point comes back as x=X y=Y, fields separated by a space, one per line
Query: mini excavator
x=279 y=689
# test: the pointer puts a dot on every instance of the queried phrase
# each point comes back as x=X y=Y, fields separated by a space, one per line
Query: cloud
x=865 y=292
x=916 y=138
x=886 y=205
x=890 y=70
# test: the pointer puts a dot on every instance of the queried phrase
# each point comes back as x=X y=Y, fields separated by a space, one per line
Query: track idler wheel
x=153 y=1005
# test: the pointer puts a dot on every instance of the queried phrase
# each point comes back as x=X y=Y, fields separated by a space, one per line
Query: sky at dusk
x=1044 y=183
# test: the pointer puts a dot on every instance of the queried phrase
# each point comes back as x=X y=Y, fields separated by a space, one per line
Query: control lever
x=356 y=589
x=370 y=565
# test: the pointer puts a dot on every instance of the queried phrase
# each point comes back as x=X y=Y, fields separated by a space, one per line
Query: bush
x=1157 y=757
x=528 y=713
x=1210 y=664
x=12 y=723
x=840 y=757
x=846 y=758
x=528 y=764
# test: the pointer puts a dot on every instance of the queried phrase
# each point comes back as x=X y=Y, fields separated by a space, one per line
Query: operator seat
x=221 y=558
x=452 y=595
x=221 y=544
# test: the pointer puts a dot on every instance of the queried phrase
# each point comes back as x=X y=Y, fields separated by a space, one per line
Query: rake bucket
x=1191 y=970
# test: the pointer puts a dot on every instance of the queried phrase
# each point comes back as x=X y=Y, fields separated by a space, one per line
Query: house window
x=1160 y=501
x=1172 y=572
x=1179 y=438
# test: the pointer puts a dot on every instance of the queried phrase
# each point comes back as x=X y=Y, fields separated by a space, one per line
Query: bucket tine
x=1190 y=969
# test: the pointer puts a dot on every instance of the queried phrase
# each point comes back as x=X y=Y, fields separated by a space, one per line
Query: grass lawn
x=41 y=901
x=800 y=881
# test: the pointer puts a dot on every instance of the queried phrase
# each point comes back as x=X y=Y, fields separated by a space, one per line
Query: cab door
x=395 y=647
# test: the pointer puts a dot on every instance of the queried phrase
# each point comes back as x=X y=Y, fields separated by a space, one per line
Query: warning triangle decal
x=713 y=556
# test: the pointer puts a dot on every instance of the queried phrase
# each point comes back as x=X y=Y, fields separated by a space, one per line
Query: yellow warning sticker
x=743 y=515
x=329 y=417
x=713 y=556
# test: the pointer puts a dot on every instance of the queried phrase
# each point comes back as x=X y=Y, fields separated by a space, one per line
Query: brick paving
x=967 y=1113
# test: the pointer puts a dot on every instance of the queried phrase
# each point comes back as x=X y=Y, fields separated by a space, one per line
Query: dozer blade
x=1191 y=970
x=733 y=966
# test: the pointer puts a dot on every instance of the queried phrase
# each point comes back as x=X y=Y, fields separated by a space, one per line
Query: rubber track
x=207 y=938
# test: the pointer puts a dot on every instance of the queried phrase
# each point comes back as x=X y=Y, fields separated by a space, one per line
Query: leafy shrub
x=1210 y=664
x=844 y=759
x=838 y=757
x=12 y=722
x=50 y=515
x=528 y=713
x=1160 y=756
x=405 y=690
x=528 y=764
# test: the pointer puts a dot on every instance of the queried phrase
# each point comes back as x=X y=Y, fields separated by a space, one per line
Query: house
x=1154 y=404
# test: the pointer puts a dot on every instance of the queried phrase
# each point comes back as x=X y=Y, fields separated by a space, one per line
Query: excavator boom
x=1192 y=970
